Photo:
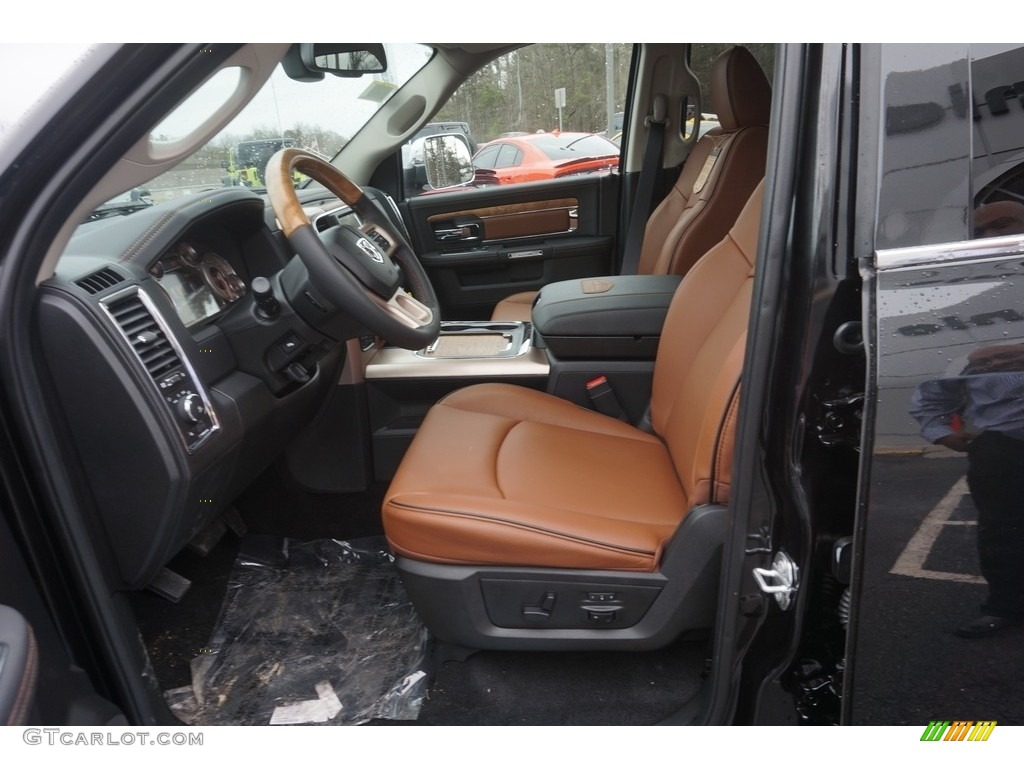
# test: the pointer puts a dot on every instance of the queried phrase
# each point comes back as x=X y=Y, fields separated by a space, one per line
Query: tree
x=516 y=92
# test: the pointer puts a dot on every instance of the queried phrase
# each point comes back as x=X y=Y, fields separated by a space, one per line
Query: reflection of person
x=989 y=397
x=1005 y=217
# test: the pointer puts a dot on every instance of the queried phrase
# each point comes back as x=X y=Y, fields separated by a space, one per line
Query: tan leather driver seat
x=717 y=178
x=509 y=500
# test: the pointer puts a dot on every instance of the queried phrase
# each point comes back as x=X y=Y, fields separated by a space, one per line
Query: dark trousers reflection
x=995 y=475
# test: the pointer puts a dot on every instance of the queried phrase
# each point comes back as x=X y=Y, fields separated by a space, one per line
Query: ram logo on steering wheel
x=370 y=250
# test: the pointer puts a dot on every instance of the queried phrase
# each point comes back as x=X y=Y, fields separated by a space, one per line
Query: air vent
x=100 y=281
x=325 y=222
x=145 y=335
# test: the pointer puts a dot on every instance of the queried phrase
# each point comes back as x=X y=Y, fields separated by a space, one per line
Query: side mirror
x=447 y=161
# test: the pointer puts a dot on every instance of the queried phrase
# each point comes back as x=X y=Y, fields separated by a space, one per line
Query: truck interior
x=305 y=474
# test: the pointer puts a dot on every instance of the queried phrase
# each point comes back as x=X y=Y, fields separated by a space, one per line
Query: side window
x=508 y=156
x=486 y=157
x=997 y=159
x=527 y=111
x=952 y=144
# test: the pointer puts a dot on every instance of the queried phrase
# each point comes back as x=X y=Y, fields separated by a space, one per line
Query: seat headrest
x=740 y=92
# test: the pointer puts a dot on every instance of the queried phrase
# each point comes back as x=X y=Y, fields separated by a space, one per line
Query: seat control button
x=604 y=614
x=542 y=611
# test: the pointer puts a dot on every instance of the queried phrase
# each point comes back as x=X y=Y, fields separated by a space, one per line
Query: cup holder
x=465 y=340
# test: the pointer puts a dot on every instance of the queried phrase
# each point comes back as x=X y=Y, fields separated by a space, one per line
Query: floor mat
x=312 y=632
x=566 y=687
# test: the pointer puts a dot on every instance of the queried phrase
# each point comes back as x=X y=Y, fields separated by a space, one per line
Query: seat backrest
x=695 y=396
x=719 y=174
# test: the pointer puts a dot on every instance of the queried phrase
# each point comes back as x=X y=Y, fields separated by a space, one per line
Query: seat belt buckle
x=603 y=398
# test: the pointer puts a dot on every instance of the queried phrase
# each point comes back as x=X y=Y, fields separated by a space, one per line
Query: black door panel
x=470 y=282
x=482 y=245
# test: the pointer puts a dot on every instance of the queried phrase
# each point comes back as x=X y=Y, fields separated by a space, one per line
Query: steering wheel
x=356 y=268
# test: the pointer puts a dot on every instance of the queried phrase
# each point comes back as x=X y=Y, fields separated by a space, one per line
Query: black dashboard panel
x=175 y=390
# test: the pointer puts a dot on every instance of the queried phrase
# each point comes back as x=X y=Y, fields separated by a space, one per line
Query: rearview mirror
x=344 y=59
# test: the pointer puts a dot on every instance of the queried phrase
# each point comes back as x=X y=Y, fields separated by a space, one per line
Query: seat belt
x=656 y=123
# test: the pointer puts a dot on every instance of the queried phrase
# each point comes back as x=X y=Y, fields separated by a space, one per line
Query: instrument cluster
x=200 y=283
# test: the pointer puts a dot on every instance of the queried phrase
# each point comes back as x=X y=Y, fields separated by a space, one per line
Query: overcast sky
x=332 y=103
x=45 y=62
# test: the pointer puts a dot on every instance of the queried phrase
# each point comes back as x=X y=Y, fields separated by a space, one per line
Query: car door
x=483 y=244
x=43 y=653
x=778 y=646
x=89 y=657
x=941 y=598
x=877 y=514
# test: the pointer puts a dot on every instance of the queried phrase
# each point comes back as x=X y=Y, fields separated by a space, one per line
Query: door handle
x=459 y=233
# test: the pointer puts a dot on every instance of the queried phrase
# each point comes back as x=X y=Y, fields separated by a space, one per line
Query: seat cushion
x=518 y=306
x=504 y=475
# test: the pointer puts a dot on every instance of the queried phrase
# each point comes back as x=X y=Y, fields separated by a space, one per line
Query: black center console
x=604 y=318
x=601 y=335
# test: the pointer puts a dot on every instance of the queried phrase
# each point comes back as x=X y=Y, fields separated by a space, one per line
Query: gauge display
x=200 y=287
x=221 y=277
x=188 y=254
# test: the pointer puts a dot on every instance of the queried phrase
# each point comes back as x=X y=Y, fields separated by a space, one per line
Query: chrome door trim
x=992 y=248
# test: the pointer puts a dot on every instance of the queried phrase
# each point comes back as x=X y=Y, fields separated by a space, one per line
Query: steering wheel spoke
x=359 y=272
x=407 y=309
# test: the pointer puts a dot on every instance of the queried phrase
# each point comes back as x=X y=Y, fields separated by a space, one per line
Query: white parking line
x=911 y=560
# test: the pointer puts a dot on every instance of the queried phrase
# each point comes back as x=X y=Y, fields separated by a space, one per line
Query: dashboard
x=177 y=389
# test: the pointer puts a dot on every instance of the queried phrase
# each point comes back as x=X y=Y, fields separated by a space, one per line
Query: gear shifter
x=267 y=305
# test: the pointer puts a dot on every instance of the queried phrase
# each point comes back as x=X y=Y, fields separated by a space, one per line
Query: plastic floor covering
x=318 y=632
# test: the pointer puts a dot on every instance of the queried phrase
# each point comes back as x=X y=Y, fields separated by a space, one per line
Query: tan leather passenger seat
x=714 y=183
x=500 y=475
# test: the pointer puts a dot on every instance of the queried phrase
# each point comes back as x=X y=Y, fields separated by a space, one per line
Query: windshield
x=318 y=116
